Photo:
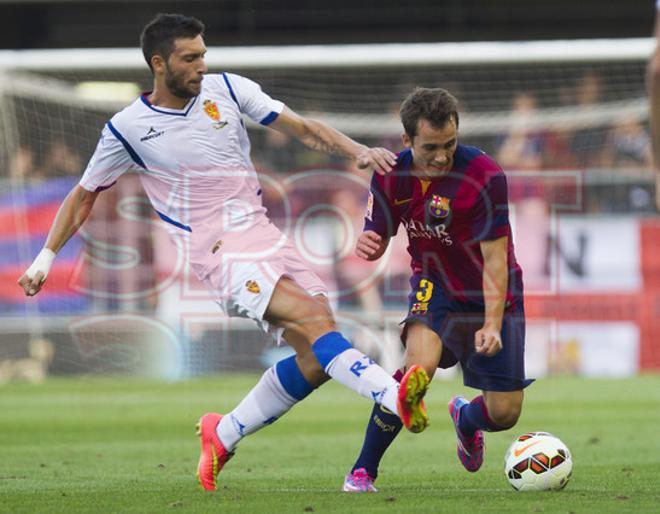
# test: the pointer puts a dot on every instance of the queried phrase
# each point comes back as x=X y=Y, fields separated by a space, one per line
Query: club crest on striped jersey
x=439 y=206
x=212 y=111
x=370 y=207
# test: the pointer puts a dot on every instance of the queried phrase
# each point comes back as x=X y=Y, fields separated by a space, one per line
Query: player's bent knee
x=506 y=417
x=317 y=328
x=314 y=318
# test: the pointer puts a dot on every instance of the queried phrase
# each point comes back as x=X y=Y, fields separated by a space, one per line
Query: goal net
x=567 y=119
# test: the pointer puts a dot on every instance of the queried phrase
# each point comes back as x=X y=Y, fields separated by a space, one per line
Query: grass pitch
x=120 y=445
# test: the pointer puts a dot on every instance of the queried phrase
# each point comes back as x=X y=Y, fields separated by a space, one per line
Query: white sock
x=265 y=403
x=358 y=372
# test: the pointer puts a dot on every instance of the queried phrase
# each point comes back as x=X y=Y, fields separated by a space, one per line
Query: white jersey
x=194 y=162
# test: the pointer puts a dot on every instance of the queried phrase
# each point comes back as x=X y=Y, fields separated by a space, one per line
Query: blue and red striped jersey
x=446 y=218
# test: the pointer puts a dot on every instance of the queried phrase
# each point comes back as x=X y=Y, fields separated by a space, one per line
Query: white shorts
x=244 y=282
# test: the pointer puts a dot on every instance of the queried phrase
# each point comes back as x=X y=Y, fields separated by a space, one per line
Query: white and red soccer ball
x=538 y=461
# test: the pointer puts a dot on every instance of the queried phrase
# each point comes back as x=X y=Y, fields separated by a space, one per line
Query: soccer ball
x=538 y=461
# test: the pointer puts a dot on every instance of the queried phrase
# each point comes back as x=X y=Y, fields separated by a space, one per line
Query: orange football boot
x=410 y=401
x=214 y=455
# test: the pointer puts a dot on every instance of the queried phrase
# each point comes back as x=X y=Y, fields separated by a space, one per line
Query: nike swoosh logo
x=517 y=453
x=463 y=448
x=401 y=202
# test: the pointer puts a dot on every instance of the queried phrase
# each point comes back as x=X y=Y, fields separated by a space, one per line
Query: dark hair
x=434 y=105
x=158 y=35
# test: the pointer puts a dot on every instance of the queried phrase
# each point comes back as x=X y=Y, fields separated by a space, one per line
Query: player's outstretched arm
x=653 y=83
x=370 y=246
x=71 y=215
x=319 y=136
x=488 y=340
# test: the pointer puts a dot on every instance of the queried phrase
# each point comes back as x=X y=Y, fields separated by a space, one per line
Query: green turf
x=119 y=445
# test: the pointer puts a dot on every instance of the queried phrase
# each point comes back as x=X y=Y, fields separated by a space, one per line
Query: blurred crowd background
x=572 y=135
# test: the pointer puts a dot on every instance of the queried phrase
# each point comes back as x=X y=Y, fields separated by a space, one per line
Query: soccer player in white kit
x=187 y=141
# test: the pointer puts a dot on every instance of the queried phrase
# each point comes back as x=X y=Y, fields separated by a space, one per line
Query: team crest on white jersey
x=212 y=111
x=252 y=286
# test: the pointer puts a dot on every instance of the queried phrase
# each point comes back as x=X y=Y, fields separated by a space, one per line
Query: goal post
x=349 y=56
x=357 y=87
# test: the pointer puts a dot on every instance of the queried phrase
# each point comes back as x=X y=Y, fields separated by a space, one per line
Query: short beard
x=175 y=87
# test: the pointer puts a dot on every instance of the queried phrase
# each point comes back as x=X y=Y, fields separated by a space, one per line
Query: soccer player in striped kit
x=188 y=143
x=466 y=300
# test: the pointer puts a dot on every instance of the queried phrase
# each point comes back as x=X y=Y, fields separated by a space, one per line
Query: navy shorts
x=456 y=322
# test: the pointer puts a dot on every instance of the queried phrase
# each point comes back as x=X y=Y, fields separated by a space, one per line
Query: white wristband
x=42 y=263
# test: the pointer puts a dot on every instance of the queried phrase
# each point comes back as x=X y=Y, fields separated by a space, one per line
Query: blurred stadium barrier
x=567 y=120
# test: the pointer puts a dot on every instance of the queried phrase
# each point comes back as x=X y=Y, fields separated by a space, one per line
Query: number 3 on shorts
x=425 y=290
